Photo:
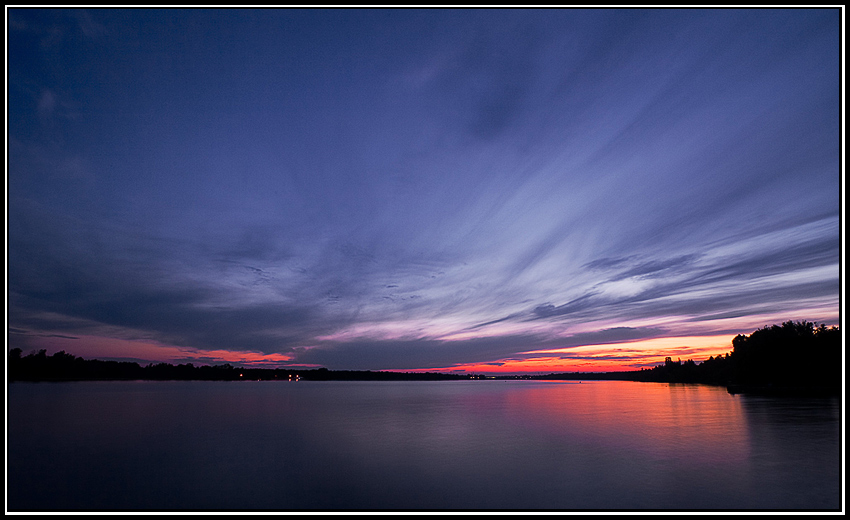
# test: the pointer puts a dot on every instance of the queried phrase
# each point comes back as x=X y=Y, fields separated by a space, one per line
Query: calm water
x=416 y=445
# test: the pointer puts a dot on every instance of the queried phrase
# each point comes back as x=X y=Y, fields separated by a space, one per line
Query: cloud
x=582 y=303
x=486 y=75
x=656 y=268
x=90 y=27
x=24 y=332
x=89 y=285
x=87 y=276
x=46 y=103
x=613 y=335
x=532 y=174
x=408 y=354
x=493 y=322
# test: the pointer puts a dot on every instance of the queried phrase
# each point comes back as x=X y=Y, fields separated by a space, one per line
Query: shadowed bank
x=793 y=358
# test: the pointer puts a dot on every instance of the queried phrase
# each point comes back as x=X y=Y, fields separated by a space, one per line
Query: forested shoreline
x=61 y=366
x=795 y=357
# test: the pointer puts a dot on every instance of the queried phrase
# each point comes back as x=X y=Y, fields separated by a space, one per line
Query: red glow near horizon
x=588 y=358
x=97 y=347
x=617 y=357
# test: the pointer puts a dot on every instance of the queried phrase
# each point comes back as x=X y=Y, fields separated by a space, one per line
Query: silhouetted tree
x=791 y=354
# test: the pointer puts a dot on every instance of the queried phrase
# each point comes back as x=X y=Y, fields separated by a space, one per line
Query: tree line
x=61 y=366
x=794 y=357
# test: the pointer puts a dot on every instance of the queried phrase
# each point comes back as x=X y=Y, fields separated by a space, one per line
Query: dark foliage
x=38 y=366
x=793 y=354
x=793 y=358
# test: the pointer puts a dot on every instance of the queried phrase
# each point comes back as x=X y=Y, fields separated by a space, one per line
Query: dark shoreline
x=163 y=372
x=796 y=358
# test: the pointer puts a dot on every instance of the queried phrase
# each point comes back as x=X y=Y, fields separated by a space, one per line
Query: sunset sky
x=479 y=190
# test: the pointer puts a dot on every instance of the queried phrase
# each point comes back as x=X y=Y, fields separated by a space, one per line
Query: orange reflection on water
x=674 y=422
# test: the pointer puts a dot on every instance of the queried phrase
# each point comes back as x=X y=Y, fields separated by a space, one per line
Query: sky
x=453 y=190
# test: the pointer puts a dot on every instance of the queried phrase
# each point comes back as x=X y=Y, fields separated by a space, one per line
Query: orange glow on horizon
x=586 y=358
x=612 y=357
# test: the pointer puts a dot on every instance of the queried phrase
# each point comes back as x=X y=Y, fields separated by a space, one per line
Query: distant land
x=795 y=358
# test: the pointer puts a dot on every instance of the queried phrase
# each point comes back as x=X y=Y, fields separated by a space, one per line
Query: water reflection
x=403 y=445
x=795 y=457
x=664 y=421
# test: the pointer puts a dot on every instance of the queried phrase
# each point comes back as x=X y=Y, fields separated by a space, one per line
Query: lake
x=445 y=445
